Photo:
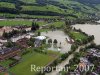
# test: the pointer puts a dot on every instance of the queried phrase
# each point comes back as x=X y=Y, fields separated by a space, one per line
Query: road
x=65 y=62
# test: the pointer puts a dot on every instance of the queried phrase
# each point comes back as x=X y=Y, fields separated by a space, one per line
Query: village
x=19 y=41
x=14 y=40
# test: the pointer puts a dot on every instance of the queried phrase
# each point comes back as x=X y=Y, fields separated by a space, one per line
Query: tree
x=31 y=42
x=10 y=44
x=18 y=6
x=23 y=31
x=14 y=32
x=34 y=26
x=50 y=41
x=55 y=41
x=60 y=44
x=64 y=56
x=5 y=35
x=44 y=41
x=39 y=33
x=74 y=47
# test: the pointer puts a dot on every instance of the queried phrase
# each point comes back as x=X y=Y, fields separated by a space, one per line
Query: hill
x=30 y=8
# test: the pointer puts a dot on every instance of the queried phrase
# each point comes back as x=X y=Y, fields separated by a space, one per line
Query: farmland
x=78 y=36
x=7 y=5
x=31 y=58
x=19 y=22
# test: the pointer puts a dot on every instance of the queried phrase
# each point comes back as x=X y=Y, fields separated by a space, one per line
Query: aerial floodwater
x=90 y=29
x=60 y=36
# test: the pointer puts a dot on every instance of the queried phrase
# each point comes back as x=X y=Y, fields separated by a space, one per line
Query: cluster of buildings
x=10 y=28
x=94 y=52
x=9 y=52
x=86 y=65
x=21 y=41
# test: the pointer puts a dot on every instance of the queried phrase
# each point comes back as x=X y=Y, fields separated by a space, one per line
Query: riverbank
x=91 y=30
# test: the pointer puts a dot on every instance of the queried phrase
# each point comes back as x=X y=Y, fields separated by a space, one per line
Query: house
x=83 y=64
x=28 y=35
x=2 y=68
x=94 y=52
x=8 y=53
x=85 y=61
x=38 y=40
x=22 y=42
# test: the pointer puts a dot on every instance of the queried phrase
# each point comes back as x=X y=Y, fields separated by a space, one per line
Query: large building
x=8 y=53
x=22 y=42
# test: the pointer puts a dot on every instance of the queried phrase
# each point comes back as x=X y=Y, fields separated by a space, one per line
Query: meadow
x=19 y=22
x=31 y=58
x=78 y=35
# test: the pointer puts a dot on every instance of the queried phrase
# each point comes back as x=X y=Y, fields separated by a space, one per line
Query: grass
x=78 y=36
x=2 y=73
x=6 y=63
x=58 y=24
x=28 y=1
x=32 y=58
x=15 y=22
x=37 y=59
x=73 y=7
x=43 y=8
x=7 y=5
x=41 y=23
x=19 y=22
x=27 y=16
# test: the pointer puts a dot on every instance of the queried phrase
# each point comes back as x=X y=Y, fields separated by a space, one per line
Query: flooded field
x=60 y=36
x=90 y=29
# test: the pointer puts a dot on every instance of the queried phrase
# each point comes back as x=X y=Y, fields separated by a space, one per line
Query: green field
x=28 y=1
x=58 y=24
x=6 y=63
x=31 y=58
x=64 y=7
x=78 y=36
x=27 y=16
x=19 y=22
x=7 y=5
x=14 y=22
x=23 y=68
x=43 y=8
x=29 y=23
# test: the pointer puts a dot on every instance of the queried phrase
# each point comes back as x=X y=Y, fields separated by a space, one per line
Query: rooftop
x=7 y=50
x=40 y=37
